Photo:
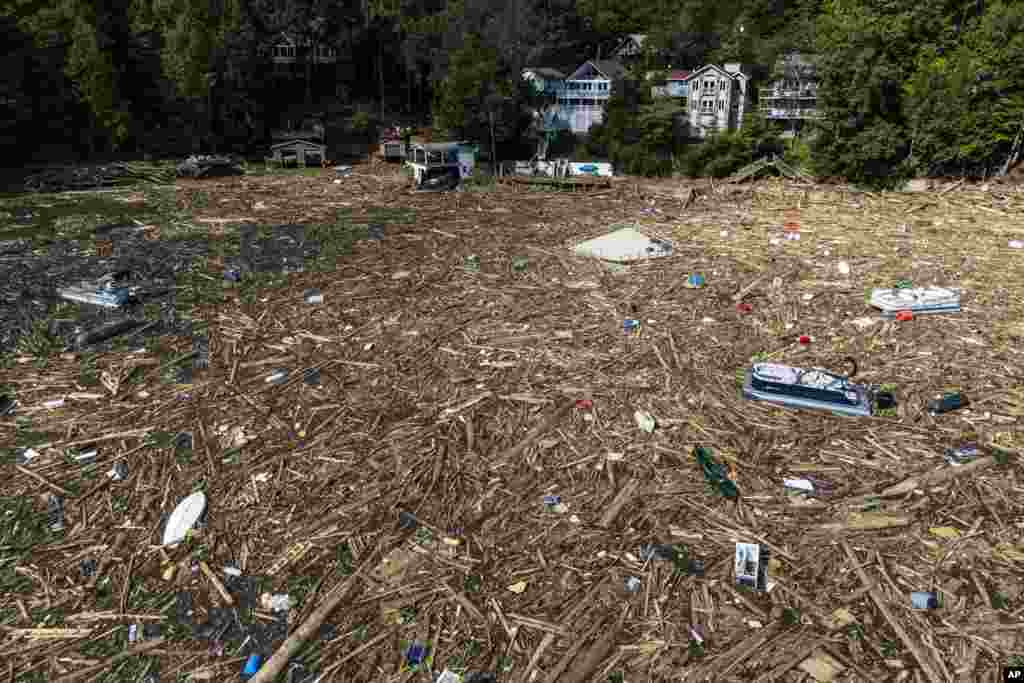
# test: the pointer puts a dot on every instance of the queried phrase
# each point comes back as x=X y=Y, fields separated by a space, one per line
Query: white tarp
x=623 y=246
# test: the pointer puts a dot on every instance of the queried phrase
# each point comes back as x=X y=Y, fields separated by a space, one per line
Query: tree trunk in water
x=309 y=76
x=380 y=76
x=494 y=149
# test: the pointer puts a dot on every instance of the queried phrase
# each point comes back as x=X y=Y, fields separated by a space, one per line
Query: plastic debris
x=448 y=676
x=822 y=667
x=751 y=566
x=201 y=348
x=904 y=316
x=87 y=568
x=55 y=513
x=313 y=296
x=632 y=584
x=694 y=281
x=415 y=655
x=278 y=602
x=472 y=263
x=798 y=485
x=961 y=455
x=949 y=402
x=1016 y=244
x=584 y=404
x=23 y=456
x=184 y=518
x=407 y=521
x=630 y=325
x=519 y=264
x=924 y=600
x=917 y=300
x=7 y=405
x=645 y=421
x=518 y=587
x=183 y=442
x=744 y=308
x=311 y=377
x=843 y=267
x=252 y=665
x=100 y=293
x=85 y=456
x=804 y=339
x=715 y=473
x=279 y=376
x=233 y=274
x=551 y=501
x=119 y=472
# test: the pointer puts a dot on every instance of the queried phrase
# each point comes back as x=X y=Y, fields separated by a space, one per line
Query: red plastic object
x=584 y=404
x=804 y=339
x=904 y=316
x=744 y=308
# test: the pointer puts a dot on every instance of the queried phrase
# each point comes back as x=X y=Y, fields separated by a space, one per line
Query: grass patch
x=60 y=217
x=38 y=342
x=336 y=239
x=22 y=527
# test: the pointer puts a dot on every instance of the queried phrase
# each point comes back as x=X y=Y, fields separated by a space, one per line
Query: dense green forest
x=907 y=88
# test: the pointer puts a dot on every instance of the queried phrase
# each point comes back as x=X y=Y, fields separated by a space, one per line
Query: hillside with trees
x=907 y=88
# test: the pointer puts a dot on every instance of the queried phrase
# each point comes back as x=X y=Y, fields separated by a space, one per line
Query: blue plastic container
x=252 y=665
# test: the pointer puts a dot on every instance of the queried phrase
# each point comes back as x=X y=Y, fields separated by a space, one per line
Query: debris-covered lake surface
x=474 y=454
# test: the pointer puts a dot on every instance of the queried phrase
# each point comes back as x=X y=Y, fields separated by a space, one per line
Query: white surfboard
x=184 y=517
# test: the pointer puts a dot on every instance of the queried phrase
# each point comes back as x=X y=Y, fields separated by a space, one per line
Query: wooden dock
x=571 y=183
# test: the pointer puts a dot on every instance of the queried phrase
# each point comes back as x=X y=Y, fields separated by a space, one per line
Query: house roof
x=609 y=68
x=677 y=75
x=714 y=67
x=290 y=143
x=546 y=72
x=636 y=38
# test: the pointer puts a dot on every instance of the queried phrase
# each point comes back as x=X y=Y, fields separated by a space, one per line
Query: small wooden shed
x=296 y=151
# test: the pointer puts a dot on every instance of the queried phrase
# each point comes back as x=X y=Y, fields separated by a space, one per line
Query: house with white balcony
x=581 y=103
x=718 y=98
x=791 y=99
x=287 y=50
x=580 y=98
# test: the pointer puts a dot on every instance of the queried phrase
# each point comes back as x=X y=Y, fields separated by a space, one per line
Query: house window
x=721 y=105
x=721 y=86
x=706 y=105
x=709 y=85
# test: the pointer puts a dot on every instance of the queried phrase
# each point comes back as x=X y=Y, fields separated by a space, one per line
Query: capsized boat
x=917 y=300
x=811 y=388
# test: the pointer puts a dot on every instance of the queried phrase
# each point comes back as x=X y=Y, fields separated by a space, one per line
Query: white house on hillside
x=719 y=96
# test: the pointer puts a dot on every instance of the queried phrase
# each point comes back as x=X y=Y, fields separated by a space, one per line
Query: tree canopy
x=905 y=88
